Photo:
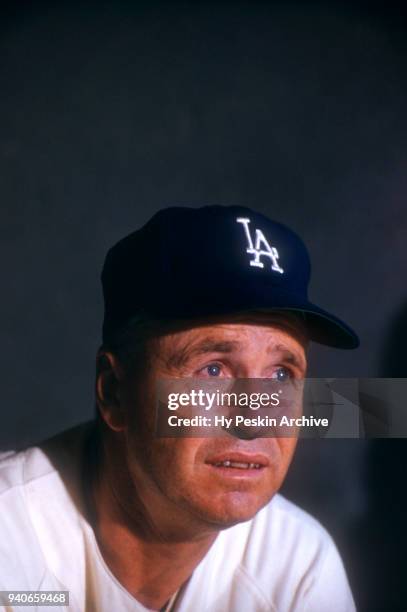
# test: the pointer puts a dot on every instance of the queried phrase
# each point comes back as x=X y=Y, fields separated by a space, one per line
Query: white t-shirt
x=280 y=561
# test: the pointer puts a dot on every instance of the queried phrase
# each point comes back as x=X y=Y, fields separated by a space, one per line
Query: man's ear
x=109 y=378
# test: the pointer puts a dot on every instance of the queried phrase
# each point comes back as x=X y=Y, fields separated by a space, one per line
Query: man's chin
x=233 y=510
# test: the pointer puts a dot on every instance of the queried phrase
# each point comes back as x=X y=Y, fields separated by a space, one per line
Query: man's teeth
x=238 y=464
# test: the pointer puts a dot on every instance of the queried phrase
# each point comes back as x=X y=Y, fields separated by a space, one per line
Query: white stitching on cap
x=256 y=250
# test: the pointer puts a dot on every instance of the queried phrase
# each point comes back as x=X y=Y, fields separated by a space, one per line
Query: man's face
x=180 y=474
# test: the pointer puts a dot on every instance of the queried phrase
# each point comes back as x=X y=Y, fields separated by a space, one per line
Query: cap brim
x=322 y=326
x=326 y=328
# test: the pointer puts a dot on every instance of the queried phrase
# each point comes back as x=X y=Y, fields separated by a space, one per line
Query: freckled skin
x=173 y=482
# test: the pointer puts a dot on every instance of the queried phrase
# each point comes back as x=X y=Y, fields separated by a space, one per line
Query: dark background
x=110 y=111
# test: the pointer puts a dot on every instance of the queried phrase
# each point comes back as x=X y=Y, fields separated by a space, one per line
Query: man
x=125 y=519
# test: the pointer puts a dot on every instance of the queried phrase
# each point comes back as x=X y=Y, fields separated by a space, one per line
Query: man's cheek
x=176 y=458
x=140 y=414
x=286 y=452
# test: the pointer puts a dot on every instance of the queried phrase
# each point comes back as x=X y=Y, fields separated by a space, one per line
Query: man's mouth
x=238 y=464
x=235 y=462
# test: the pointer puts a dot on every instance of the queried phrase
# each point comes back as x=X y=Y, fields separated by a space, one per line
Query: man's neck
x=151 y=563
x=151 y=571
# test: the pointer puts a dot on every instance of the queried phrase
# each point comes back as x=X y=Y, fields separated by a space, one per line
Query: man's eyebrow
x=288 y=356
x=180 y=357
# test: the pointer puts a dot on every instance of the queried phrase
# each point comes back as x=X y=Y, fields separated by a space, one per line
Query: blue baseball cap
x=187 y=263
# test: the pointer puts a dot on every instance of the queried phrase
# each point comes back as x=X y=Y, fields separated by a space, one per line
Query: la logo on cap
x=260 y=247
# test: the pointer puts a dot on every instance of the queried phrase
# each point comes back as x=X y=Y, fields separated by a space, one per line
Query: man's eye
x=213 y=370
x=282 y=374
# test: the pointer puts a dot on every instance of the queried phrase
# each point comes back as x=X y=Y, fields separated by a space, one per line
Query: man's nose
x=245 y=430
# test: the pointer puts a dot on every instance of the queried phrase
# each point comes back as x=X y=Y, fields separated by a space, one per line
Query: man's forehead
x=278 y=332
